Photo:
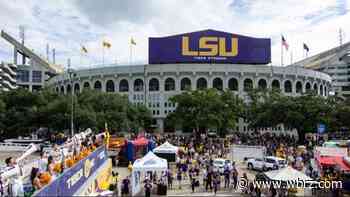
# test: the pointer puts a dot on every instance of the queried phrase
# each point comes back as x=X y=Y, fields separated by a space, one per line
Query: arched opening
x=153 y=85
x=123 y=85
x=86 y=85
x=233 y=84
x=321 y=90
x=299 y=87
x=288 y=86
x=315 y=88
x=62 y=89
x=262 y=84
x=325 y=91
x=307 y=87
x=57 y=89
x=69 y=88
x=185 y=84
x=76 y=88
x=218 y=84
x=110 y=86
x=169 y=84
x=138 y=85
x=201 y=83
x=98 y=86
x=248 y=85
x=275 y=84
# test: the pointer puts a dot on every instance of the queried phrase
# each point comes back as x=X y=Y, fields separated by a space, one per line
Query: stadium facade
x=197 y=60
x=336 y=63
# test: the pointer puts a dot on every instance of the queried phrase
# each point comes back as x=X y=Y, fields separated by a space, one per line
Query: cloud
x=106 y=12
x=68 y=24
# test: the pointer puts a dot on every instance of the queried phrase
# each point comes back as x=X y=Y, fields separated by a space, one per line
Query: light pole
x=70 y=74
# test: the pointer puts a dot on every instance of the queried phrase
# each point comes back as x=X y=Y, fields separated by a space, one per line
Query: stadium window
x=247 y=85
x=185 y=84
x=154 y=84
x=23 y=75
x=36 y=76
x=169 y=84
x=201 y=83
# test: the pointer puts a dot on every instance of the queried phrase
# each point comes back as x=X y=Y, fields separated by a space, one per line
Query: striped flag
x=284 y=43
x=132 y=41
x=83 y=49
x=106 y=44
x=306 y=48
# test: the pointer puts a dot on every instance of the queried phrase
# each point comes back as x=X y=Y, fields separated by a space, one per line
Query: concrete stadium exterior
x=154 y=84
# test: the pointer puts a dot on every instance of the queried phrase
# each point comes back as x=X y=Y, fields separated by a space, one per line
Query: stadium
x=196 y=60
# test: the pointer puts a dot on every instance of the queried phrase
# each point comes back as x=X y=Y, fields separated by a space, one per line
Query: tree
x=23 y=112
x=206 y=109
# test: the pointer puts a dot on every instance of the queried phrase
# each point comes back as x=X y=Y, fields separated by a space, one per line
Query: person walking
x=216 y=183
x=193 y=183
x=148 y=188
x=227 y=177
x=170 y=179
x=179 y=177
x=125 y=186
x=235 y=178
x=209 y=181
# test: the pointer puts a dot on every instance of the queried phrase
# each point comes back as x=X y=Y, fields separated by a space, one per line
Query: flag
x=284 y=43
x=106 y=44
x=306 y=47
x=132 y=41
x=83 y=49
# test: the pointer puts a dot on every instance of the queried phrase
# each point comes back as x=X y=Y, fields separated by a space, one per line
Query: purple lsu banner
x=209 y=46
x=68 y=183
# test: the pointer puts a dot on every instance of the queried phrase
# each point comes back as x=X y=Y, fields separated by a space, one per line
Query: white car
x=218 y=165
x=266 y=163
x=280 y=162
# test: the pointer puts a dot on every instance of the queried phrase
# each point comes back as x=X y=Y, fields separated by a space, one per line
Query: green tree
x=206 y=109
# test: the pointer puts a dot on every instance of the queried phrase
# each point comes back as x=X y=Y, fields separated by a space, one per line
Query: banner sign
x=68 y=183
x=321 y=128
x=209 y=46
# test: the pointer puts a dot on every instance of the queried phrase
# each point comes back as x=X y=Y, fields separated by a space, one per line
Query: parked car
x=266 y=163
x=218 y=165
x=281 y=163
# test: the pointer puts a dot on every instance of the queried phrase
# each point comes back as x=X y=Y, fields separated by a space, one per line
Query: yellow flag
x=132 y=41
x=83 y=49
x=106 y=44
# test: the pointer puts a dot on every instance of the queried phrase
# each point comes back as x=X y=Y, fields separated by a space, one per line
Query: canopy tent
x=150 y=162
x=285 y=174
x=166 y=148
x=139 y=147
x=167 y=151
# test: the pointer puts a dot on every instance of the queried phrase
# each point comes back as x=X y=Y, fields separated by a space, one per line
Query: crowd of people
x=195 y=167
x=52 y=163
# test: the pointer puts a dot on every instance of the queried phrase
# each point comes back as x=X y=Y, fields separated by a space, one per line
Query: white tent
x=166 y=148
x=286 y=174
x=150 y=162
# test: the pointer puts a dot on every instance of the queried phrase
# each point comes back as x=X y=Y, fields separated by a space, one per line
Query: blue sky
x=67 y=24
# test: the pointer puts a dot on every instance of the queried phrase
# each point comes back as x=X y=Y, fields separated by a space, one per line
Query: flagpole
x=130 y=53
x=281 y=52
x=103 y=55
